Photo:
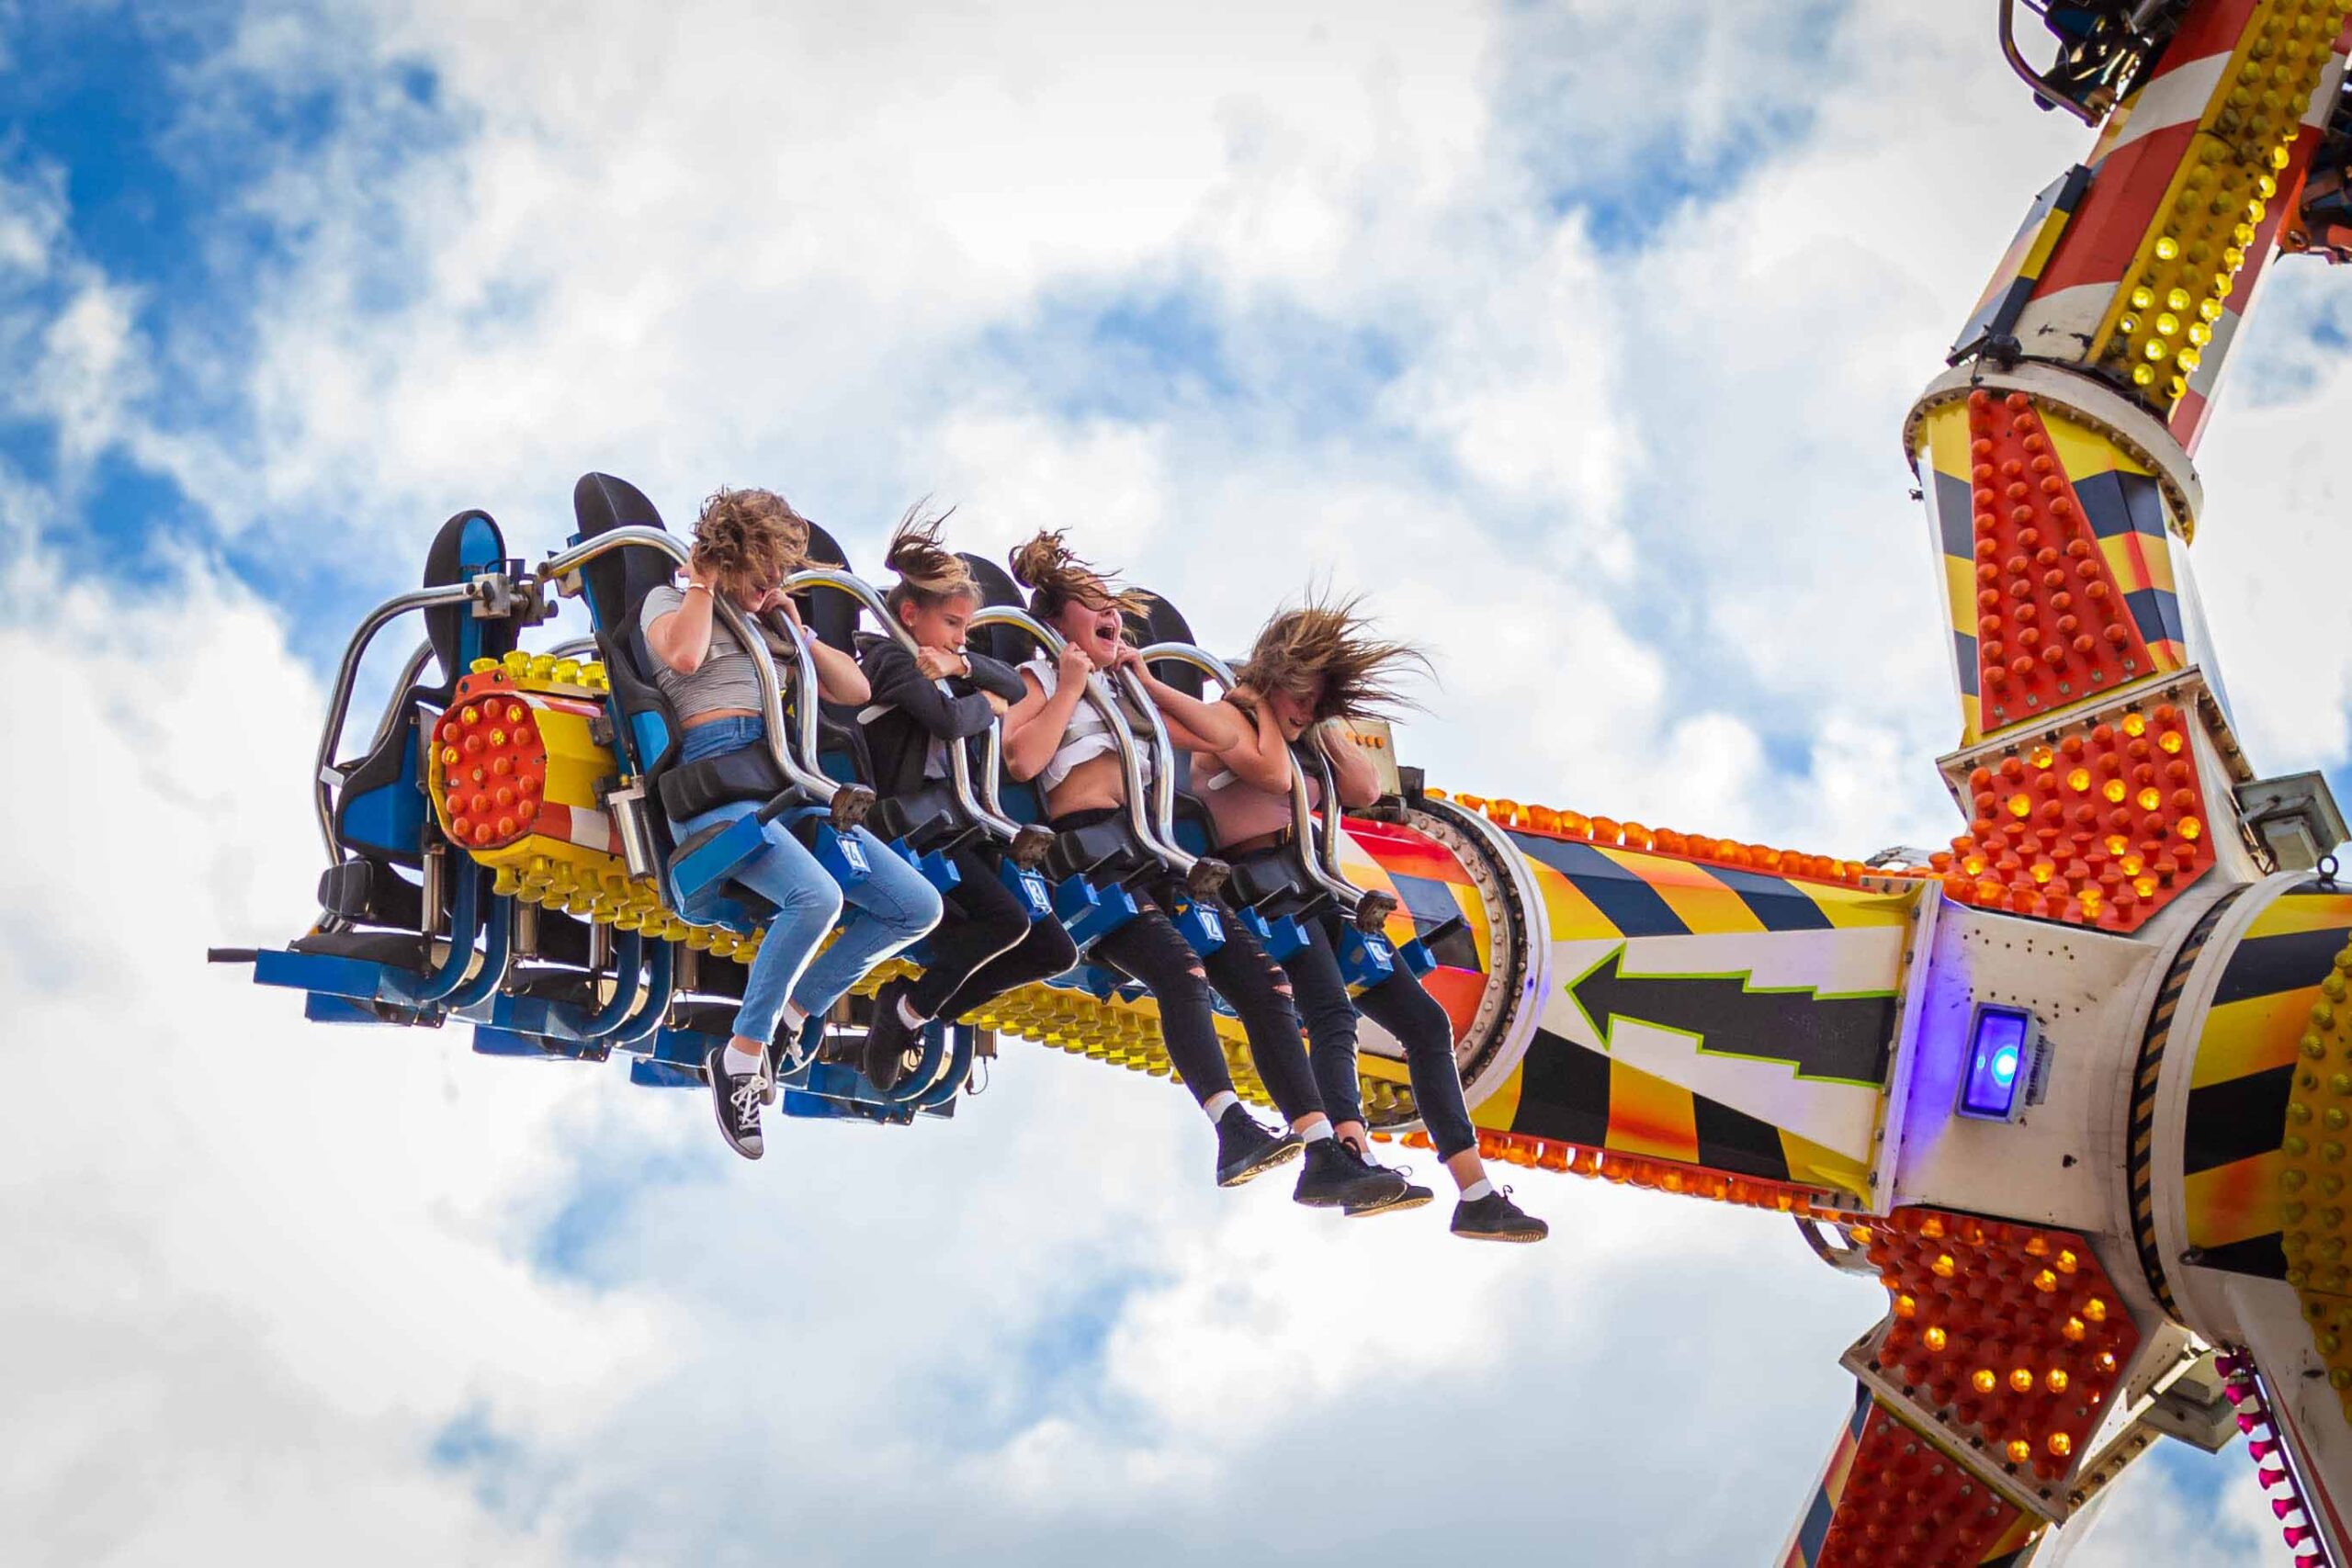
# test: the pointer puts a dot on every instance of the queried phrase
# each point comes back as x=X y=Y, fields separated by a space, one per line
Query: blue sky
x=1578 y=335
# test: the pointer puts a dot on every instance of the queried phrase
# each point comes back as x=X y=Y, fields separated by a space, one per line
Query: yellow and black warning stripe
x=2234 y=1129
x=2140 y=1162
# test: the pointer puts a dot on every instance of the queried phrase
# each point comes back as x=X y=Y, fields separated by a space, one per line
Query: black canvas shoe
x=1333 y=1177
x=1410 y=1194
x=787 y=1054
x=1496 y=1218
x=738 y=1097
x=888 y=1038
x=1247 y=1148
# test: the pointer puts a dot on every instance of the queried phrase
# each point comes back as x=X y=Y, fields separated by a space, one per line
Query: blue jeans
x=891 y=908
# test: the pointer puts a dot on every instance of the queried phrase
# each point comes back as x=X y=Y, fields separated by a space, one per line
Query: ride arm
x=839 y=680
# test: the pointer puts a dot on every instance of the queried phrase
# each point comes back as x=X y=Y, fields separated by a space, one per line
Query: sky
x=1577 y=335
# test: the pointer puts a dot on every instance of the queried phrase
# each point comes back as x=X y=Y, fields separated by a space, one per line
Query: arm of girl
x=1353 y=769
x=1034 y=726
x=1192 y=724
x=1260 y=757
x=680 y=639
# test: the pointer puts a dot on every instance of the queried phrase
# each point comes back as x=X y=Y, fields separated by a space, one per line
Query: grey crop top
x=725 y=679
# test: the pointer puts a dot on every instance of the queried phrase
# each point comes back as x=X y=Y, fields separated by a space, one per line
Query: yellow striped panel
x=1650 y=1116
x=2233 y=1202
x=1812 y=1164
x=1697 y=900
x=1573 y=916
x=1853 y=908
x=1959 y=589
x=2081 y=452
x=2253 y=1034
x=2303 y=912
x=1498 y=1110
x=1948 y=441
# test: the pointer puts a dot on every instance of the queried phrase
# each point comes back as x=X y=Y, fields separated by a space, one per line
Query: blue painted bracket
x=1367 y=958
x=1089 y=913
x=1028 y=886
x=1198 y=924
x=1418 y=957
x=1282 y=937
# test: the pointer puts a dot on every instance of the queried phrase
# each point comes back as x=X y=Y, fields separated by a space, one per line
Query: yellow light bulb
x=2150 y=798
x=2143 y=297
x=2019 y=1450
x=2189 y=828
x=2178 y=299
x=2020 y=805
x=1934 y=1338
x=2168 y=324
x=2060 y=1445
x=2168 y=248
x=2115 y=790
x=2079 y=780
x=2021 y=1380
x=2158 y=348
x=1983 y=1381
x=2136 y=724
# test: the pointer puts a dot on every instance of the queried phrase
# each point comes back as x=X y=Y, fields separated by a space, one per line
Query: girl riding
x=1054 y=736
x=1311 y=669
x=938 y=696
x=746 y=542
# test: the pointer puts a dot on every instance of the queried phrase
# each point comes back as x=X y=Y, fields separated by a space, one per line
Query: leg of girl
x=892 y=908
x=982 y=921
x=1402 y=1007
x=1149 y=948
x=1047 y=951
x=807 y=904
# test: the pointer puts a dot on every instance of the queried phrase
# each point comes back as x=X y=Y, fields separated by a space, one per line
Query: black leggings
x=1398 y=1004
x=1151 y=948
x=986 y=944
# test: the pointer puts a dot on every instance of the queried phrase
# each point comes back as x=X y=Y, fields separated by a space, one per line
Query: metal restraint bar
x=992 y=821
x=789 y=760
x=323 y=776
x=1099 y=697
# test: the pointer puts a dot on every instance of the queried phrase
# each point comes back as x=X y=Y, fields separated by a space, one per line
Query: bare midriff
x=715 y=713
x=1094 y=783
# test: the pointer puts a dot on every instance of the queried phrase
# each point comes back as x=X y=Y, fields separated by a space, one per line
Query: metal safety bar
x=1302 y=812
x=1098 y=696
x=563 y=563
x=2035 y=79
x=323 y=775
x=959 y=765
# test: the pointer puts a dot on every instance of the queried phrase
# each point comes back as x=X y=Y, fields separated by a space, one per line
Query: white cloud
x=1639 y=492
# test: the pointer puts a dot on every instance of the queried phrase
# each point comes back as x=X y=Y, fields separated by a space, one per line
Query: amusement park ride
x=2076 y=1090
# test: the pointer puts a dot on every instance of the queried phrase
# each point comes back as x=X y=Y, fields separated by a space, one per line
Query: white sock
x=1316 y=1133
x=1476 y=1190
x=908 y=1015
x=795 y=1015
x=742 y=1064
x=1217 y=1104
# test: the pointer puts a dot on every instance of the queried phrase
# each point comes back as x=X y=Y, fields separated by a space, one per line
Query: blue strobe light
x=2000 y=1050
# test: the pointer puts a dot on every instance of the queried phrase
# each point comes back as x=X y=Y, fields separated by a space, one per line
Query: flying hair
x=928 y=571
x=1362 y=674
x=1055 y=576
x=750 y=537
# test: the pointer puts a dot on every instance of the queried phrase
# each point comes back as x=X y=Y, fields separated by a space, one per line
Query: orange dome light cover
x=2101 y=824
x=488 y=771
x=2052 y=629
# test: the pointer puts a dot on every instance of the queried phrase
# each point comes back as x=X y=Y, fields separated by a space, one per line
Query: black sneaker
x=1410 y=1194
x=738 y=1096
x=1248 y=1149
x=1333 y=1177
x=1496 y=1218
x=888 y=1038
x=787 y=1054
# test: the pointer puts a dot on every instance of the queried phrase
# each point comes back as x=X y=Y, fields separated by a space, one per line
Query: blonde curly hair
x=749 y=538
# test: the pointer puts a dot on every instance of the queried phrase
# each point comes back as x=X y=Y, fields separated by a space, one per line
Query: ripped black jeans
x=1398 y=1004
x=1151 y=948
